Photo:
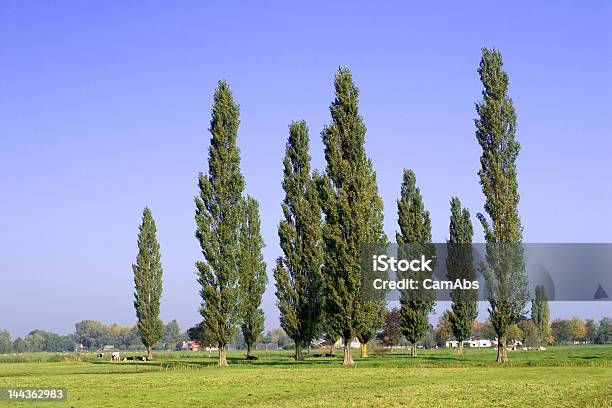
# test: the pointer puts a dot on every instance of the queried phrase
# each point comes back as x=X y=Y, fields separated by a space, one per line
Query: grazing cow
x=542 y=348
x=115 y=356
x=100 y=355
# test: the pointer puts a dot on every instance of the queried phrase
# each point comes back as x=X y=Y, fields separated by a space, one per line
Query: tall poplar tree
x=352 y=208
x=253 y=278
x=504 y=268
x=372 y=317
x=219 y=214
x=299 y=284
x=414 y=239
x=148 y=283
x=540 y=314
x=329 y=331
x=459 y=265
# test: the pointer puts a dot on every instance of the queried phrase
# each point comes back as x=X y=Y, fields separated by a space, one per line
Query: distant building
x=323 y=344
x=509 y=343
x=355 y=344
x=481 y=343
x=190 y=346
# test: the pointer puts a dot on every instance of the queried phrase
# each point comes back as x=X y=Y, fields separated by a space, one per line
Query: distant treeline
x=577 y=330
x=93 y=335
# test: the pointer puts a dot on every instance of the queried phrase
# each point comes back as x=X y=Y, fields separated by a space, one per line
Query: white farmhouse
x=481 y=343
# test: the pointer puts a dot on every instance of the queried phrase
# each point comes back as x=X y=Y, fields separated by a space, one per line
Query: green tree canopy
x=253 y=278
x=604 y=331
x=540 y=314
x=576 y=329
x=148 y=283
x=299 y=283
x=504 y=268
x=459 y=265
x=353 y=210
x=219 y=213
x=6 y=342
x=414 y=239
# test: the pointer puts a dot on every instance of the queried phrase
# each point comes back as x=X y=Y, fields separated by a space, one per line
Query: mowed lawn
x=558 y=377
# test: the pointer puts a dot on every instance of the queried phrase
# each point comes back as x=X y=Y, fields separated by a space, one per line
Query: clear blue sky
x=105 y=105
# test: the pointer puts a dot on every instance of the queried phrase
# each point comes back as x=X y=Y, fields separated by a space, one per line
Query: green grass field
x=558 y=377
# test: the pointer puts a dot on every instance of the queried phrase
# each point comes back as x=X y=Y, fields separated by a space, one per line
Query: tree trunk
x=298 y=351
x=348 y=353
x=502 y=354
x=248 y=351
x=331 y=349
x=149 y=353
x=222 y=356
x=364 y=350
x=413 y=350
x=460 y=349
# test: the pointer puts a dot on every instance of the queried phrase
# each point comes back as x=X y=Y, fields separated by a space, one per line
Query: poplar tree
x=414 y=239
x=459 y=265
x=219 y=213
x=253 y=278
x=299 y=285
x=504 y=268
x=330 y=332
x=372 y=318
x=540 y=314
x=148 y=283
x=352 y=208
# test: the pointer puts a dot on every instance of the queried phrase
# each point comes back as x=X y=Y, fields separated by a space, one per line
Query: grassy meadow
x=558 y=377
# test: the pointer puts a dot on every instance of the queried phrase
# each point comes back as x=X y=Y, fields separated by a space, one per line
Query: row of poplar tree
x=327 y=217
